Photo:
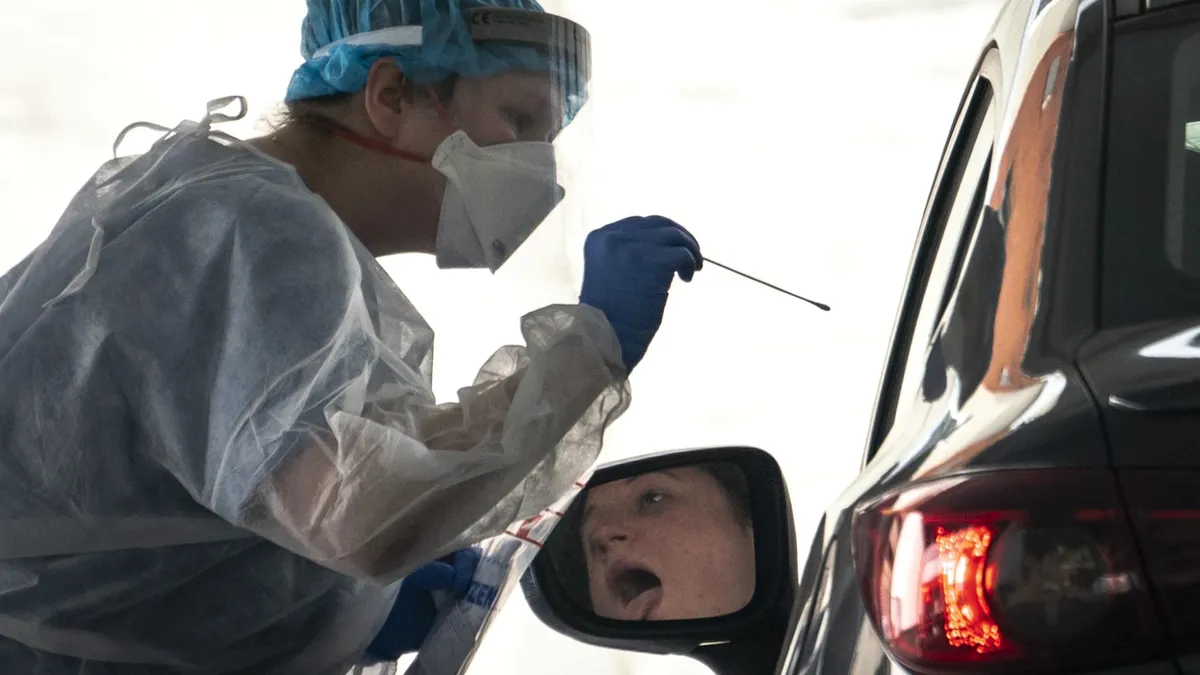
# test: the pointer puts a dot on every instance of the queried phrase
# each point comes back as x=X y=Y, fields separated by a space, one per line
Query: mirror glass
x=666 y=545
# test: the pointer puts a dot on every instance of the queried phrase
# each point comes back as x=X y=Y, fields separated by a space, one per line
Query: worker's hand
x=628 y=269
x=415 y=610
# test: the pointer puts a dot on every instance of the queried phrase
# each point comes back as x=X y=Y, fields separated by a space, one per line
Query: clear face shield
x=523 y=213
x=523 y=199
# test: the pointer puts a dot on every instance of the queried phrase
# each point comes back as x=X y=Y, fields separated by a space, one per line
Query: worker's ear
x=387 y=98
x=747 y=639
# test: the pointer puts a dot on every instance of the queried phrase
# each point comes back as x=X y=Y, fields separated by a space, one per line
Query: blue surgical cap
x=446 y=46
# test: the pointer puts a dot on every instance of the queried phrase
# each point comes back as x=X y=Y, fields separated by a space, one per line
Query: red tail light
x=1016 y=571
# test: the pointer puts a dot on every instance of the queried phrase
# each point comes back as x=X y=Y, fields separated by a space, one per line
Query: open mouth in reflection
x=639 y=590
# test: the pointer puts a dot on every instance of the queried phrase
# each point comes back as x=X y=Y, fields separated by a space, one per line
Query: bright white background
x=796 y=139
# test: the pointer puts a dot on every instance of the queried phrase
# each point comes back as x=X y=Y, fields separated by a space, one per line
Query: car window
x=1151 y=236
x=978 y=287
x=938 y=257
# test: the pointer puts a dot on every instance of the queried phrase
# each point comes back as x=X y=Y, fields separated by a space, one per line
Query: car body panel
x=1147 y=380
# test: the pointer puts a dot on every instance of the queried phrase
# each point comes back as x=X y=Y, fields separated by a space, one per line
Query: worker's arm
x=379 y=497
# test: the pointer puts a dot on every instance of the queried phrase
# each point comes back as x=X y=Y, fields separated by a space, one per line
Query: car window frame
x=979 y=105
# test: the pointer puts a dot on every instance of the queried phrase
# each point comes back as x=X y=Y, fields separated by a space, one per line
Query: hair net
x=220 y=446
x=446 y=47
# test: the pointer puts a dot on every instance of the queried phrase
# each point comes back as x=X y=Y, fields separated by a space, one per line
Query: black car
x=1029 y=500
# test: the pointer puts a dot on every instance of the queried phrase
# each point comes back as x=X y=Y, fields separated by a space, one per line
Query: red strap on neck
x=383 y=148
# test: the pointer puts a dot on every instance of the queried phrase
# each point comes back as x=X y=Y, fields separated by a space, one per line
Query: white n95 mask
x=496 y=196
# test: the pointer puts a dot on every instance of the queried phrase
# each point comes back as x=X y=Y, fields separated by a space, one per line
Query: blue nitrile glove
x=627 y=271
x=414 y=612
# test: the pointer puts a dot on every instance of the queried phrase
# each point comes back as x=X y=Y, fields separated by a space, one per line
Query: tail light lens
x=1015 y=571
x=1165 y=509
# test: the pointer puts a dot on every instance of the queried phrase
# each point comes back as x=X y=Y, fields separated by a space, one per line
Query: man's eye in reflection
x=652 y=497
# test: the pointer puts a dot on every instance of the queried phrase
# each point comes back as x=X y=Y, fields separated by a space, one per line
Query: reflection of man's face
x=666 y=546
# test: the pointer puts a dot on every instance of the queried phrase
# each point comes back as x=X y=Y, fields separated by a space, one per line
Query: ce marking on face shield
x=481 y=19
x=488 y=18
x=517 y=25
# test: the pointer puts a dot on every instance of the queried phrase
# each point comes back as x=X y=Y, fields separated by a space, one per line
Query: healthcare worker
x=219 y=450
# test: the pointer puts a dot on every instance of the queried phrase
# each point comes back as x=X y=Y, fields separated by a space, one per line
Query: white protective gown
x=219 y=448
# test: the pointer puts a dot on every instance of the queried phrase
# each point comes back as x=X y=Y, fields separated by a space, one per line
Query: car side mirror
x=689 y=553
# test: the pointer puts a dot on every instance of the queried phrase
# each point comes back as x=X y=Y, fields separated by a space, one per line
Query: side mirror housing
x=647 y=559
